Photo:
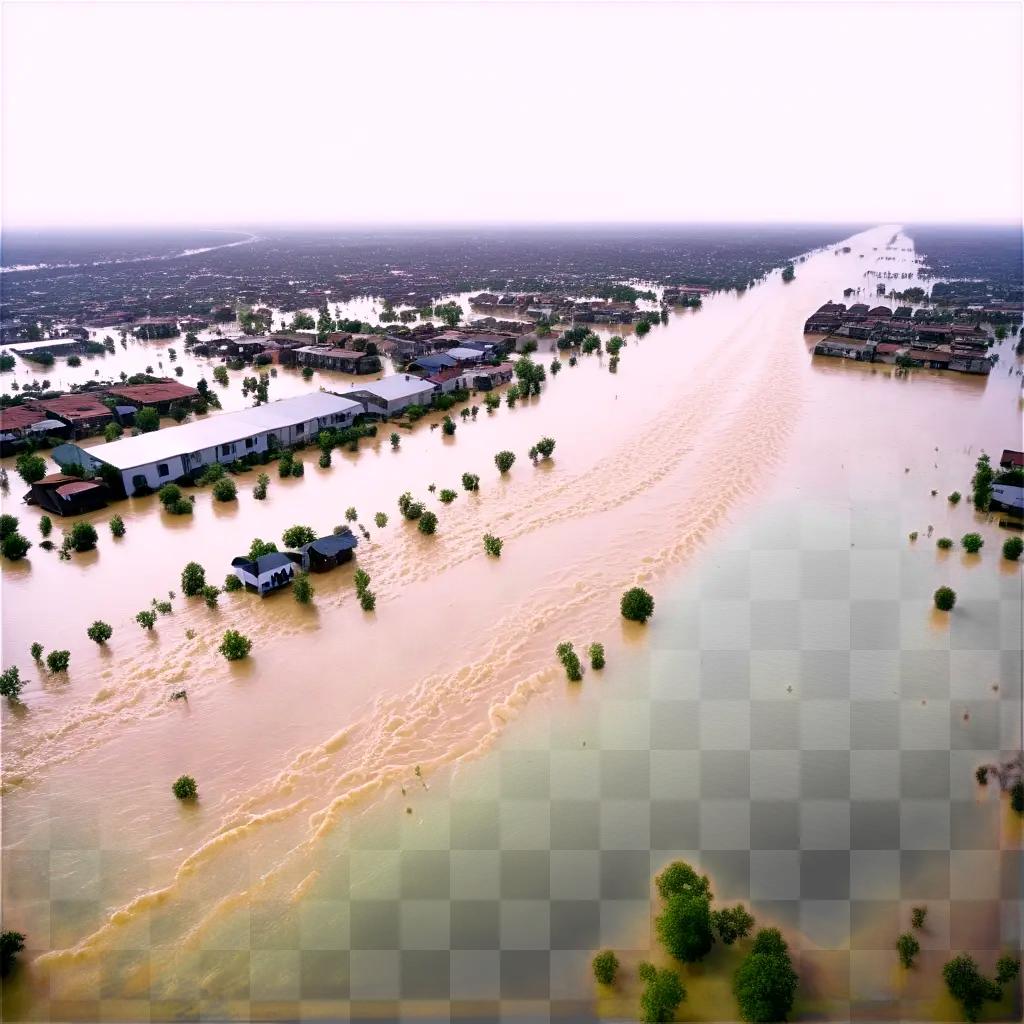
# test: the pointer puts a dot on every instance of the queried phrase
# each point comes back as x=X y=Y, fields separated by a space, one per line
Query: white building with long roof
x=148 y=461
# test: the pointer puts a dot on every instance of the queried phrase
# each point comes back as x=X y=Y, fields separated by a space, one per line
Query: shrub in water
x=605 y=964
x=146 y=619
x=225 y=490
x=193 y=579
x=232 y=583
x=184 y=788
x=235 y=646
x=637 y=605
x=945 y=599
x=58 y=661
x=493 y=545
x=117 y=526
x=100 y=632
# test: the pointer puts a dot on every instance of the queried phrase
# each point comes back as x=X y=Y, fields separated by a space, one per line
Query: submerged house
x=392 y=394
x=66 y=495
x=148 y=461
x=328 y=553
x=264 y=574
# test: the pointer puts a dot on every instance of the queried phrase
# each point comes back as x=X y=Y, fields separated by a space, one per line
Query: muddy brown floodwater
x=336 y=707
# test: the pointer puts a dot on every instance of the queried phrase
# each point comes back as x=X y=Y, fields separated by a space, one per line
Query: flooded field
x=409 y=812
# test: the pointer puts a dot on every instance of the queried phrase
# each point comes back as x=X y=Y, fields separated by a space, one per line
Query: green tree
x=8 y=525
x=504 y=460
x=605 y=965
x=448 y=426
x=765 y=983
x=36 y=650
x=117 y=528
x=112 y=431
x=945 y=599
x=14 y=546
x=1013 y=548
x=642 y=328
x=596 y=653
x=968 y=986
x=296 y=536
x=11 y=683
x=83 y=536
x=368 y=600
x=232 y=583
x=972 y=542
x=732 y=923
x=225 y=490
x=380 y=520
x=954 y=498
x=470 y=482
x=1007 y=969
x=184 y=788
x=981 y=483
x=147 y=419
x=446 y=495
x=193 y=579
x=46 y=526
x=427 y=523
x=917 y=916
x=11 y=944
x=58 y=661
x=545 y=446
x=30 y=467
x=662 y=994
x=907 y=947
x=679 y=878
x=684 y=926
x=944 y=543
x=493 y=545
x=259 y=492
x=211 y=595
x=637 y=605
x=169 y=494
x=235 y=646
x=146 y=619
x=302 y=588
x=100 y=632
x=396 y=439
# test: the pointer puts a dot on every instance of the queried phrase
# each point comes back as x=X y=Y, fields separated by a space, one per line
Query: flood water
x=411 y=813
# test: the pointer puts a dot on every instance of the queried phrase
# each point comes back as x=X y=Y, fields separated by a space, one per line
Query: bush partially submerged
x=100 y=632
x=637 y=605
x=184 y=788
x=235 y=646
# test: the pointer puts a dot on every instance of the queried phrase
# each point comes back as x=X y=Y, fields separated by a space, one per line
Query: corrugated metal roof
x=129 y=452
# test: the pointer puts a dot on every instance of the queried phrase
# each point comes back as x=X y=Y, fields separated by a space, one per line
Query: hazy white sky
x=235 y=113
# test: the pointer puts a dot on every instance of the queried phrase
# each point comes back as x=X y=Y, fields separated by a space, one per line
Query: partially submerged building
x=327 y=553
x=67 y=495
x=265 y=574
x=390 y=395
x=344 y=360
x=149 y=461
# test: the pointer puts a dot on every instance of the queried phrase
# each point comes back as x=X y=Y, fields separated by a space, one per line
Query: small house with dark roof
x=265 y=574
x=1011 y=459
x=328 y=553
x=67 y=495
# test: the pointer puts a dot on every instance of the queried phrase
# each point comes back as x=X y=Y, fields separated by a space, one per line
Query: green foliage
x=303 y=321
x=117 y=527
x=732 y=923
x=504 y=460
x=380 y=520
x=193 y=579
x=427 y=523
x=100 y=632
x=448 y=426
x=7 y=362
x=493 y=545
x=596 y=654
x=14 y=546
x=969 y=986
x=285 y=463
x=788 y=273
x=765 y=983
x=361 y=579
x=260 y=547
x=614 y=345
x=232 y=584
x=307 y=373
x=296 y=536
x=470 y=482
x=30 y=467
x=637 y=605
x=972 y=542
x=662 y=994
x=302 y=588
x=684 y=926
x=169 y=494
x=907 y=947
x=11 y=683
x=917 y=916
x=642 y=327
x=259 y=492
x=570 y=661
x=58 y=661
x=945 y=599
x=82 y=536
x=297 y=468
x=211 y=474
x=492 y=401
x=447 y=496
x=409 y=508
x=225 y=490
x=1013 y=548
x=235 y=646
x=954 y=498
x=913 y=536
x=545 y=446
x=1017 y=797
x=981 y=483
x=8 y=525
x=1007 y=969
x=184 y=788
x=368 y=600
x=679 y=878
x=46 y=525
x=396 y=439
x=147 y=419
x=605 y=965
x=36 y=650
x=146 y=619
x=211 y=595
x=11 y=944
x=944 y=543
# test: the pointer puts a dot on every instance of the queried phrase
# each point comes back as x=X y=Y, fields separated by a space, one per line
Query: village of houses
x=948 y=340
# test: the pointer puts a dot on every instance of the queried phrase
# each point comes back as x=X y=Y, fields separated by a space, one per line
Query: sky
x=237 y=113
